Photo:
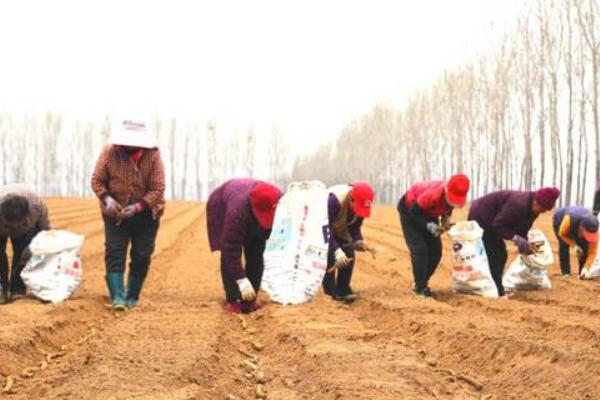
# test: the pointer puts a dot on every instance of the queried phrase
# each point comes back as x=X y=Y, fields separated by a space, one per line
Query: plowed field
x=388 y=345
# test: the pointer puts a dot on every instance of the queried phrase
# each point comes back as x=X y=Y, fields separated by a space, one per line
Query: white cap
x=134 y=134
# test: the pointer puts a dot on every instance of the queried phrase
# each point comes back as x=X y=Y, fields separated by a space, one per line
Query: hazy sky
x=305 y=66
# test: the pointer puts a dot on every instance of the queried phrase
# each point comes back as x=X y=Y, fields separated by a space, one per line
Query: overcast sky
x=306 y=66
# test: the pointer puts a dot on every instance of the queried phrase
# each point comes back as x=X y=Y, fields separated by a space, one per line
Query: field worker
x=508 y=215
x=425 y=211
x=239 y=217
x=129 y=180
x=347 y=207
x=22 y=216
x=576 y=226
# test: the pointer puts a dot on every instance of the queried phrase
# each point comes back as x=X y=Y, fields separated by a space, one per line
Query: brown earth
x=388 y=345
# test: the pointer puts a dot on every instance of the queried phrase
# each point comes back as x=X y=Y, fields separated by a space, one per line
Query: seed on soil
x=249 y=366
x=257 y=346
x=260 y=377
x=28 y=372
x=260 y=392
x=432 y=363
x=8 y=387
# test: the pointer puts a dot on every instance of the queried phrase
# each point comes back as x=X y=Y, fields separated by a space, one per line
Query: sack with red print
x=296 y=252
x=54 y=270
x=470 y=267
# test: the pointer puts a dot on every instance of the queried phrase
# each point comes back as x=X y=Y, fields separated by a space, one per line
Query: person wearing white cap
x=129 y=180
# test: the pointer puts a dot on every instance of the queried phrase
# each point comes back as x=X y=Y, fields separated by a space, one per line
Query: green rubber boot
x=114 y=281
x=134 y=288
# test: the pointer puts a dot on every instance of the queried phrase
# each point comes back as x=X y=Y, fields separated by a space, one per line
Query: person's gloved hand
x=434 y=229
x=246 y=289
x=111 y=206
x=130 y=211
x=585 y=273
x=523 y=245
x=341 y=259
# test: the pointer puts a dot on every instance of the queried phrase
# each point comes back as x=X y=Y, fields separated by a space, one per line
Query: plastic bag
x=529 y=272
x=296 y=253
x=470 y=267
x=54 y=271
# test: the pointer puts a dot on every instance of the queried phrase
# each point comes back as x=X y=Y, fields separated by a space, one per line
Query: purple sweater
x=230 y=221
x=354 y=222
x=505 y=213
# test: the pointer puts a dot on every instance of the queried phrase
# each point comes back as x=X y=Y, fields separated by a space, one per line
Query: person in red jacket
x=425 y=211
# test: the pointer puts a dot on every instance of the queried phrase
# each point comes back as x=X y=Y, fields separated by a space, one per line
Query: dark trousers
x=18 y=244
x=254 y=247
x=140 y=231
x=425 y=249
x=337 y=282
x=563 y=254
x=495 y=249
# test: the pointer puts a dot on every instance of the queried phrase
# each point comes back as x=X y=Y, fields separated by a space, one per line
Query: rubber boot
x=4 y=297
x=114 y=281
x=17 y=286
x=134 y=287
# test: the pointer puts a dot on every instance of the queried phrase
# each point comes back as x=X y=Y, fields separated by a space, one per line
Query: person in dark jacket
x=23 y=215
x=347 y=207
x=425 y=211
x=239 y=217
x=129 y=181
x=576 y=227
x=508 y=215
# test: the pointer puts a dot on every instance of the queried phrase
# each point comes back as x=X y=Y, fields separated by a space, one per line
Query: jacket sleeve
x=563 y=230
x=333 y=209
x=100 y=175
x=43 y=223
x=234 y=231
x=417 y=211
x=156 y=186
x=591 y=256
x=355 y=230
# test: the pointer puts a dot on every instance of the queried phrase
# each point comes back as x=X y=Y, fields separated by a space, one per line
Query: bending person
x=508 y=215
x=576 y=227
x=425 y=211
x=239 y=217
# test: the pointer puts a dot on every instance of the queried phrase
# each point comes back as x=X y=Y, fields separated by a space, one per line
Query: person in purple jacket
x=239 y=217
x=508 y=215
x=347 y=207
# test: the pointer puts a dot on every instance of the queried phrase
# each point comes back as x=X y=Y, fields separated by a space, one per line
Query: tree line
x=523 y=115
x=55 y=153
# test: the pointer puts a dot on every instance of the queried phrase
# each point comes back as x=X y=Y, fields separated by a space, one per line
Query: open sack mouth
x=537 y=246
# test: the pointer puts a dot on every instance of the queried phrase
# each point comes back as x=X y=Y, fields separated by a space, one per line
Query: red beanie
x=546 y=197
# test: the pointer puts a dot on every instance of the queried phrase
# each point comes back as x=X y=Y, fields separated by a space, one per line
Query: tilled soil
x=388 y=345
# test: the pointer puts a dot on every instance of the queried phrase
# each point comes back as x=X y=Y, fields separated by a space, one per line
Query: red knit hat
x=263 y=200
x=363 y=195
x=546 y=197
x=457 y=190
